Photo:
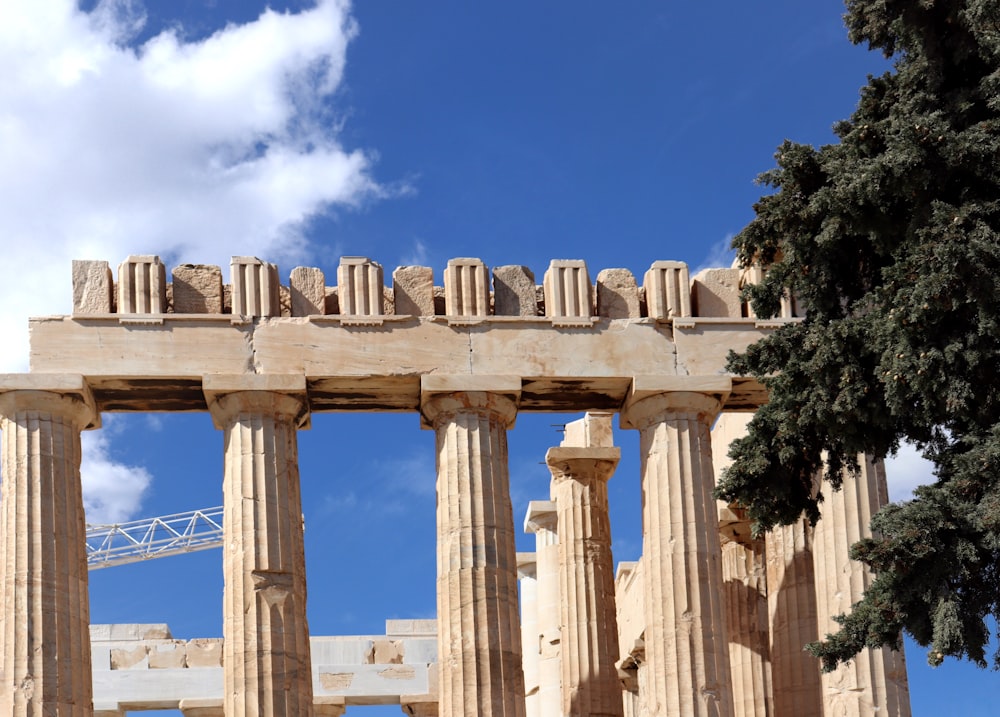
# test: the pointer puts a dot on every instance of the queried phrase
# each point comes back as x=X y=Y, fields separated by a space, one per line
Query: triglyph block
x=668 y=291
x=255 y=287
x=568 y=292
x=359 y=286
x=142 y=285
x=466 y=288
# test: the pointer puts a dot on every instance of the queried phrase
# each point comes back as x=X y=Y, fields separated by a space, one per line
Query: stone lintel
x=217 y=386
x=679 y=392
x=572 y=462
x=541 y=515
x=24 y=391
x=445 y=392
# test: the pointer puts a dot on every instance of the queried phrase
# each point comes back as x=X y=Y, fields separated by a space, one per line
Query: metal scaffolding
x=131 y=542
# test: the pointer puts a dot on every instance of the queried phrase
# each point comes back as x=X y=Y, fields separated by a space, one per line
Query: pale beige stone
x=466 y=288
x=255 y=287
x=204 y=652
x=170 y=654
x=589 y=633
x=142 y=285
x=197 y=289
x=617 y=294
x=528 y=579
x=873 y=684
x=336 y=680
x=594 y=430
x=542 y=520
x=285 y=300
x=716 y=292
x=45 y=643
x=791 y=605
x=745 y=581
x=568 y=292
x=514 y=291
x=327 y=706
x=128 y=658
x=668 y=290
x=93 y=287
x=479 y=645
x=266 y=638
x=388 y=301
x=413 y=290
x=201 y=708
x=308 y=291
x=359 y=286
x=388 y=652
x=685 y=638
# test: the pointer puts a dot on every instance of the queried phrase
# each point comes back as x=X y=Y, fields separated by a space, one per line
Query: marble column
x=479 y=638
x=745 y=582
x=745 y=577
x=541 y=520
x=589 y=632
x=874 y=682
x=45 y=649
x=527 y=576
x=791 y=607
x=266 y=638
x=685 y=638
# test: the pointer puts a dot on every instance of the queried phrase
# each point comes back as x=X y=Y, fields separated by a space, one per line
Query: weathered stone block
x=125 y=658
x=204 y=652
x=413 y=288
x=168 y=654
x=93 y=287
x=716 y=292
x=514 y=291
x=617 y=294
x=197 y=289
x=308 y=289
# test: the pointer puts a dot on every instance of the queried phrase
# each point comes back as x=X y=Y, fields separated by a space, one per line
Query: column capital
x=582 y=463
x=444 y=395
x=62 y=394
x=541 y=515
x=651 y=396
x=527 y=565
x=279 y=395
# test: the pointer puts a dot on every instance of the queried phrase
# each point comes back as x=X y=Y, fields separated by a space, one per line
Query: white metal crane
x=131 y=542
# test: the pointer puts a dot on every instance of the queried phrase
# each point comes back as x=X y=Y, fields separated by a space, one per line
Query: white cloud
x=905 y=471
x=191 y=150
x=720 y=255
x=112 y=491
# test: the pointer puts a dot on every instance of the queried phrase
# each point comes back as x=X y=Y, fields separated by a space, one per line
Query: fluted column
x=745 y=582
x=589 y=635
x=541 y=520
x=45 y=651
x=874 y=682
x=266 y=638
x=745 y=577
x=527 y=575
x=685 y=638
x=791 y=607
x=479 y=640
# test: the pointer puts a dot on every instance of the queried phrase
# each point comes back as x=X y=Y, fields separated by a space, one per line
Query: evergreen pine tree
x=891 y=239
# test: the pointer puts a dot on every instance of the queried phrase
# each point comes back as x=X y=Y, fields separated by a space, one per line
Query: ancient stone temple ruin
x=708 y=623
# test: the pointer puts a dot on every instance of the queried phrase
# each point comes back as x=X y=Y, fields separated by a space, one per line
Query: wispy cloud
x=417 y=255
x=112 y=491
x=720 y=255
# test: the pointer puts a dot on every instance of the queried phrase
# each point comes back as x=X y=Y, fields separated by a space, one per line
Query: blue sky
x=409 y=132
